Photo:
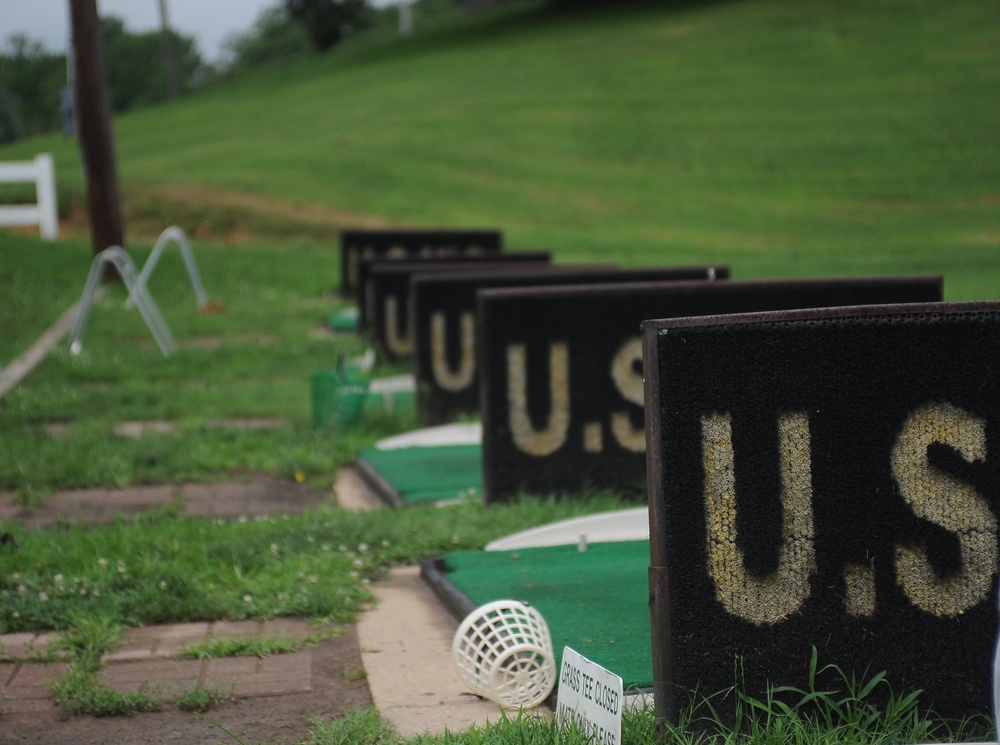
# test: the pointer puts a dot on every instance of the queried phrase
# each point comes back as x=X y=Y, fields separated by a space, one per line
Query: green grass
x=82 y=693
x=241 y=646
x=163 y=567
x=848 y=714
x=201 y=698
x=40 y=281
x=252 y=360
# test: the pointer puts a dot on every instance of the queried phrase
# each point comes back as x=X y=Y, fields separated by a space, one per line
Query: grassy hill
x=781 y=136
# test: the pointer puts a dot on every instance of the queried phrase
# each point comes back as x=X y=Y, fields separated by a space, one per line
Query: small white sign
x=590 y=696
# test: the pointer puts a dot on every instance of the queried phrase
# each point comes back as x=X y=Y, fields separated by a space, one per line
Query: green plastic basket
x=337 y=398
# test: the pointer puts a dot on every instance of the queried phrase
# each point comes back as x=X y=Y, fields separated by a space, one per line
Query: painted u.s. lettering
x=625 y=373
x=527 y=438
x=932 y=494
x=759 y=599
x=448 y=378
x=942 y=499
x=398 y=341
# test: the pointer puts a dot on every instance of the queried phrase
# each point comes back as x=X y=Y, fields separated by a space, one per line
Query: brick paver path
x=148 y=657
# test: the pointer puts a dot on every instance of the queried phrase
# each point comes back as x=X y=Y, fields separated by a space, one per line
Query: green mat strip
x=344 y=320
x=424 y=474
x=595 y=601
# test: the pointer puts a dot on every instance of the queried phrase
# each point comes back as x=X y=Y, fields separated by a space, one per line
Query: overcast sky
x=208 y=21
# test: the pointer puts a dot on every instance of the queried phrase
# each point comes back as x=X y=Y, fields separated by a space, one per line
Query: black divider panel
x=400 y=244
x=444 y=310
x=562 y=399
x=451 y=263
x=825 y=479
x=387 y=296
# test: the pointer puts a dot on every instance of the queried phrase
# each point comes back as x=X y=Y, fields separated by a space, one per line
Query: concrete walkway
x=406 y=650
x=405 y=637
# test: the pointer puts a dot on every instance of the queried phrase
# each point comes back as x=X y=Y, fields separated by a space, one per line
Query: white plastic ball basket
x=503 y=651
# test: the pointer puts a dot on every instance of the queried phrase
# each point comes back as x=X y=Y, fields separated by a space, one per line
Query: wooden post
x=94 y=127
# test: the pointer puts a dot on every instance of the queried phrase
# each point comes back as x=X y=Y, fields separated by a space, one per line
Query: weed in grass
x=202 y=698
x=30 y=497
x=835 y=707
x=364 y=727
x=352 y=674
x=81 y=693
x=88 y=637
x=241 y=646
x=849 y=712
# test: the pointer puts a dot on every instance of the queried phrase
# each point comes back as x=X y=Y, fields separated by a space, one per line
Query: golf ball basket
x=503 y=651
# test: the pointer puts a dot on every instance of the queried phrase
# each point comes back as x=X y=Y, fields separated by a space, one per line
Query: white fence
x=43 y=213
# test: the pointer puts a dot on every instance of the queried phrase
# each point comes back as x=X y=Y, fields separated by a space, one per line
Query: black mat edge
x=821 y=314
x=435 y=574
x=382 y=488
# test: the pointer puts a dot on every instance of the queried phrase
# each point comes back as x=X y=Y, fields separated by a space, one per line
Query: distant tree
x=136 y=69
x=328 y=22
x=274 y=37
x=11 y=127
x=30 y=82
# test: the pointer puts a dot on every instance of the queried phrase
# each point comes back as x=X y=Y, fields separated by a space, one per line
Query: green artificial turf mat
x=429 y=474
x=595 y=601
x=344 y=320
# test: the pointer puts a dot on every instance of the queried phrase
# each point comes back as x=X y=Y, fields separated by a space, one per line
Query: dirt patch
x=336 y=689
x=220 y=215
x=256 y=203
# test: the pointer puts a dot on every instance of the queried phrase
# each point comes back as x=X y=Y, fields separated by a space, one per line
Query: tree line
x=35 y=84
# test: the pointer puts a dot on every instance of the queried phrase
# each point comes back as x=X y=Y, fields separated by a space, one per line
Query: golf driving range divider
x=828 y=479
x=444 y=309
x=401 y=244
x=562 y=391
x=362 y=293
x=387 y=297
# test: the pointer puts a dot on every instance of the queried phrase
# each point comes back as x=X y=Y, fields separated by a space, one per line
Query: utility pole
x=169 y=60
x=93 y=119
x=405 y=17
